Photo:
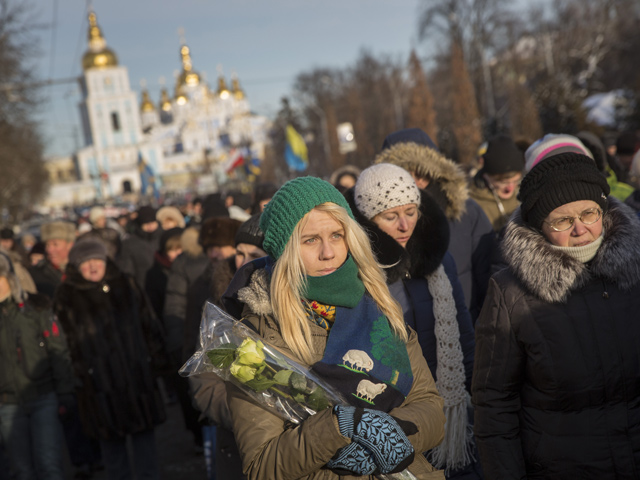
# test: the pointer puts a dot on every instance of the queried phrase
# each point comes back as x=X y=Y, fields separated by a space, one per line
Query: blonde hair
x=288 y=282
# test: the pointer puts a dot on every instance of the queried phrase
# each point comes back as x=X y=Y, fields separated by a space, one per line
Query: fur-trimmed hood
x=425 y=249
x=427 y=162
x=551 y=275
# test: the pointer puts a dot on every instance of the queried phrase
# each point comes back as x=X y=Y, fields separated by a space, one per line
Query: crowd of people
x=507 y=297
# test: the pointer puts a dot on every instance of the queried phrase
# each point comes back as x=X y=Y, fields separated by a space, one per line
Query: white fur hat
x=384 y=186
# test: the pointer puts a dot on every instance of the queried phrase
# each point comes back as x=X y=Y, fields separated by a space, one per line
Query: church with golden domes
x=184 y=142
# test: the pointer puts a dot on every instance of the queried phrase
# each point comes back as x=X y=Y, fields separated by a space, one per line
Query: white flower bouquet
x=238 y=355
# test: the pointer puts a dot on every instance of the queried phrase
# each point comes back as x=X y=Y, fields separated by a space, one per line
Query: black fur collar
x=425 y=249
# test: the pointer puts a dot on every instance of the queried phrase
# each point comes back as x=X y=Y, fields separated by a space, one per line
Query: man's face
x=149 y=227
x=6 y=243
x=58 y=251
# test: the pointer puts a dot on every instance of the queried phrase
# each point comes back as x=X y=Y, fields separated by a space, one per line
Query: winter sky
x=266 y=42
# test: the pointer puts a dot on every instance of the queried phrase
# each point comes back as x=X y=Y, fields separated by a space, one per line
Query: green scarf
x=342 y=288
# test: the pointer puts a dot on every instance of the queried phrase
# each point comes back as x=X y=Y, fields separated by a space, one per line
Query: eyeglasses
x=588 y=217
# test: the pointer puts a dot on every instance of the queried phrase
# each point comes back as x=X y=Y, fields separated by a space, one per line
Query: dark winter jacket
x=116 y=346
x=209 y=286
x=156 y=282
x=185 y=269
x=46 y=276
x=136 y=254
x=471 y=234
x=556 y=386
x=407 y=269
x=34 y=357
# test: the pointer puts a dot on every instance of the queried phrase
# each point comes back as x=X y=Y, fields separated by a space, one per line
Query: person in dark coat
x=58 y=237
x=472 y=237
x=136 y=254
x=158 y=275
x=248 y=242
x=116 y=346
x=410 y=235
x=36 y=381
x=555 y=386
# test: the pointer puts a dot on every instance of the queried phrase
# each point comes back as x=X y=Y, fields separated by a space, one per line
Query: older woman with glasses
x=556 y=385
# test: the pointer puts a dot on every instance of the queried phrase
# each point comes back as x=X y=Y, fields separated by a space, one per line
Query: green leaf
x=318 y=400
x=298 y=382
x=300 y=398
x=222 y=356
x=260 y=383
x=282 y=377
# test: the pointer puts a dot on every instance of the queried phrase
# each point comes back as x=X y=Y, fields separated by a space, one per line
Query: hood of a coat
x=257 y=294
x=189 y=242
x=425 y=249
x=427 y=162
x=551 y=275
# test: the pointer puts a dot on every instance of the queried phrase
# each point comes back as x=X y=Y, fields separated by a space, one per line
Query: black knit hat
x=502 y=156
x=146 y=214
x=86 y=249
x=558 y=180
x=249 y=232
x=7 y=233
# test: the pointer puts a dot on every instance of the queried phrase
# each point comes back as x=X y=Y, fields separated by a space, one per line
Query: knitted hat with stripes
x=291 y=202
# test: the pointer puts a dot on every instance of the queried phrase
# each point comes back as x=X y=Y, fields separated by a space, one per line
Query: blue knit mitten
x=380 y=434
x=352 y=459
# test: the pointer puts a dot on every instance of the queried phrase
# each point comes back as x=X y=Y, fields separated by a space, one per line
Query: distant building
x=185 y=142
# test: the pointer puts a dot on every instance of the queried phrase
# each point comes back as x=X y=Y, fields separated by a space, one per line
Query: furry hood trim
x=427 y=162
x=551 y=275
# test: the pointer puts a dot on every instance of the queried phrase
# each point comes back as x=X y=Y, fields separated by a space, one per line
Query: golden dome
x=146 y=105
x=223 y=91
x=235 y=89
x=188 y=76
x=98 y=55
x=165 y=101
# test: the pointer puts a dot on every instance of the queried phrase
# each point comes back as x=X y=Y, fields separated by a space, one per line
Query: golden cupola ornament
x=146 y=105
x=188 y=77
x=238 y=93
x=98 y=55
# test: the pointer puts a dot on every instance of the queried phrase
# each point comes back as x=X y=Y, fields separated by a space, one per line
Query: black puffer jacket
x=115 y=342
x=136 y=255
x=556 y=385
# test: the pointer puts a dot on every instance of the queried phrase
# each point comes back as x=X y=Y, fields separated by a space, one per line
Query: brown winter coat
x=271 y=449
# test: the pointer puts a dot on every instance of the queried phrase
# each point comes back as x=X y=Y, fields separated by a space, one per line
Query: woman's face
x=93 y=269
x=398 y=222
x=578 y=234
x=323 y=246
x=245 y=253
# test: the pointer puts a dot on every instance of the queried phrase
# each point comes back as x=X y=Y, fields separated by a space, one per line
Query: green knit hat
x=291 y=202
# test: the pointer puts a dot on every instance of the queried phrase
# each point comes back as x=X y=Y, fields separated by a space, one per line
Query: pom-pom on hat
x=553 y=144
x=290 y=203
x=560 y=179
x=384 y=186
x=86 y=249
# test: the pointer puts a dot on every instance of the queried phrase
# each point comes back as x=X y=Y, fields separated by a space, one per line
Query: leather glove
x=352 y=459
x=380 y=434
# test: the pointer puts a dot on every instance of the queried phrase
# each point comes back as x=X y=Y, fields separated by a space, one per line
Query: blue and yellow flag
x=295 y=151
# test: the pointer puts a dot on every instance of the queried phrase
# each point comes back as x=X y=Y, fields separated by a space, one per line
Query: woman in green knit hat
x=321 y=298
